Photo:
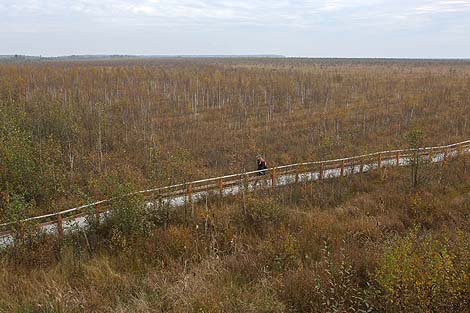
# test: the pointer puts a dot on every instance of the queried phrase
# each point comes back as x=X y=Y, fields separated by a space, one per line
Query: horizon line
x=256 y=55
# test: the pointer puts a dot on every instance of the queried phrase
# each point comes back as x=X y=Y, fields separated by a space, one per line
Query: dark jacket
x=261 y=166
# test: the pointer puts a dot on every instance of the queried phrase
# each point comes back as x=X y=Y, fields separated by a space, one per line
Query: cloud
x=439 y=7
x=338 y=5
x=295 y=27
x=288 y=15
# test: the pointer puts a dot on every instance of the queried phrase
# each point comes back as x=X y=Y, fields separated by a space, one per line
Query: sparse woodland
x=71 y=132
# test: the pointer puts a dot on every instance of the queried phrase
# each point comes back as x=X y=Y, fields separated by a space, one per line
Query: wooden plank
x=60 y=229
x=97 y=214
x=273 y=178
x=190 y=193
x=22 y=231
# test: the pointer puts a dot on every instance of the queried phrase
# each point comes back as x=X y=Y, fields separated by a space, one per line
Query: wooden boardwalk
x=181 y=194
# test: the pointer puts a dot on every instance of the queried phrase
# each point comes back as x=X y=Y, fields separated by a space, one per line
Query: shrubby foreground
x=369 y=243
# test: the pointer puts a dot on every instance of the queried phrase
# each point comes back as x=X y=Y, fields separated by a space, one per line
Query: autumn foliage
x=66 y=127
x=372 y=242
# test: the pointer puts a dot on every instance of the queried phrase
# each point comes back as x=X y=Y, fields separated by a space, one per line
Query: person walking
x=261 y=165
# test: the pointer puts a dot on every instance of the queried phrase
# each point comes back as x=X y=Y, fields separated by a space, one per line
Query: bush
x=261 y=212
x=329 y=286
x=426 y=274
x=299 y=291
x=128 y=218
x=15 y=208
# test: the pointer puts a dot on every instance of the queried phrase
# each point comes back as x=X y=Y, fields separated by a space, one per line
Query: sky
x=301 y=28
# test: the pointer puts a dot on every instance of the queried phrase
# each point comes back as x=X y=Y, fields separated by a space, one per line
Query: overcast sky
x=316 y=28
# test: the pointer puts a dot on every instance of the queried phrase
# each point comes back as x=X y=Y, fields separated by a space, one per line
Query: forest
x=76 y=131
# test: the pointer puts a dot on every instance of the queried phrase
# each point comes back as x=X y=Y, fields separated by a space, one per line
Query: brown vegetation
x=69 y=128
x=362 y=243
x=376 y=242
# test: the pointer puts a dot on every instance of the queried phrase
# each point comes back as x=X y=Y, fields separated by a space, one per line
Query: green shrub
x=16 y=208
x=426 y=274
x=261 y=212
x=127 y=218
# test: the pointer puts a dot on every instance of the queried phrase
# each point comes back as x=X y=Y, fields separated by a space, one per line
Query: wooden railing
x=181 y=194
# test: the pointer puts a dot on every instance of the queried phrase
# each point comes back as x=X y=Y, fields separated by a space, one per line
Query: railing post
x=342 y=168
x=445 y=157
x=60 y=229
x=379 y=160
x=459 y=149
x=22 y=230
x=245 y=184
x=273 y=178
x=190 y=200
x=361 y=165
x=296 y=174
x=98 y=197
x=397 y=158
x=97 y=213
x=221 y=187
x=165 y=211
x=320 y=175
x=190 y=193
x=430 y=154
